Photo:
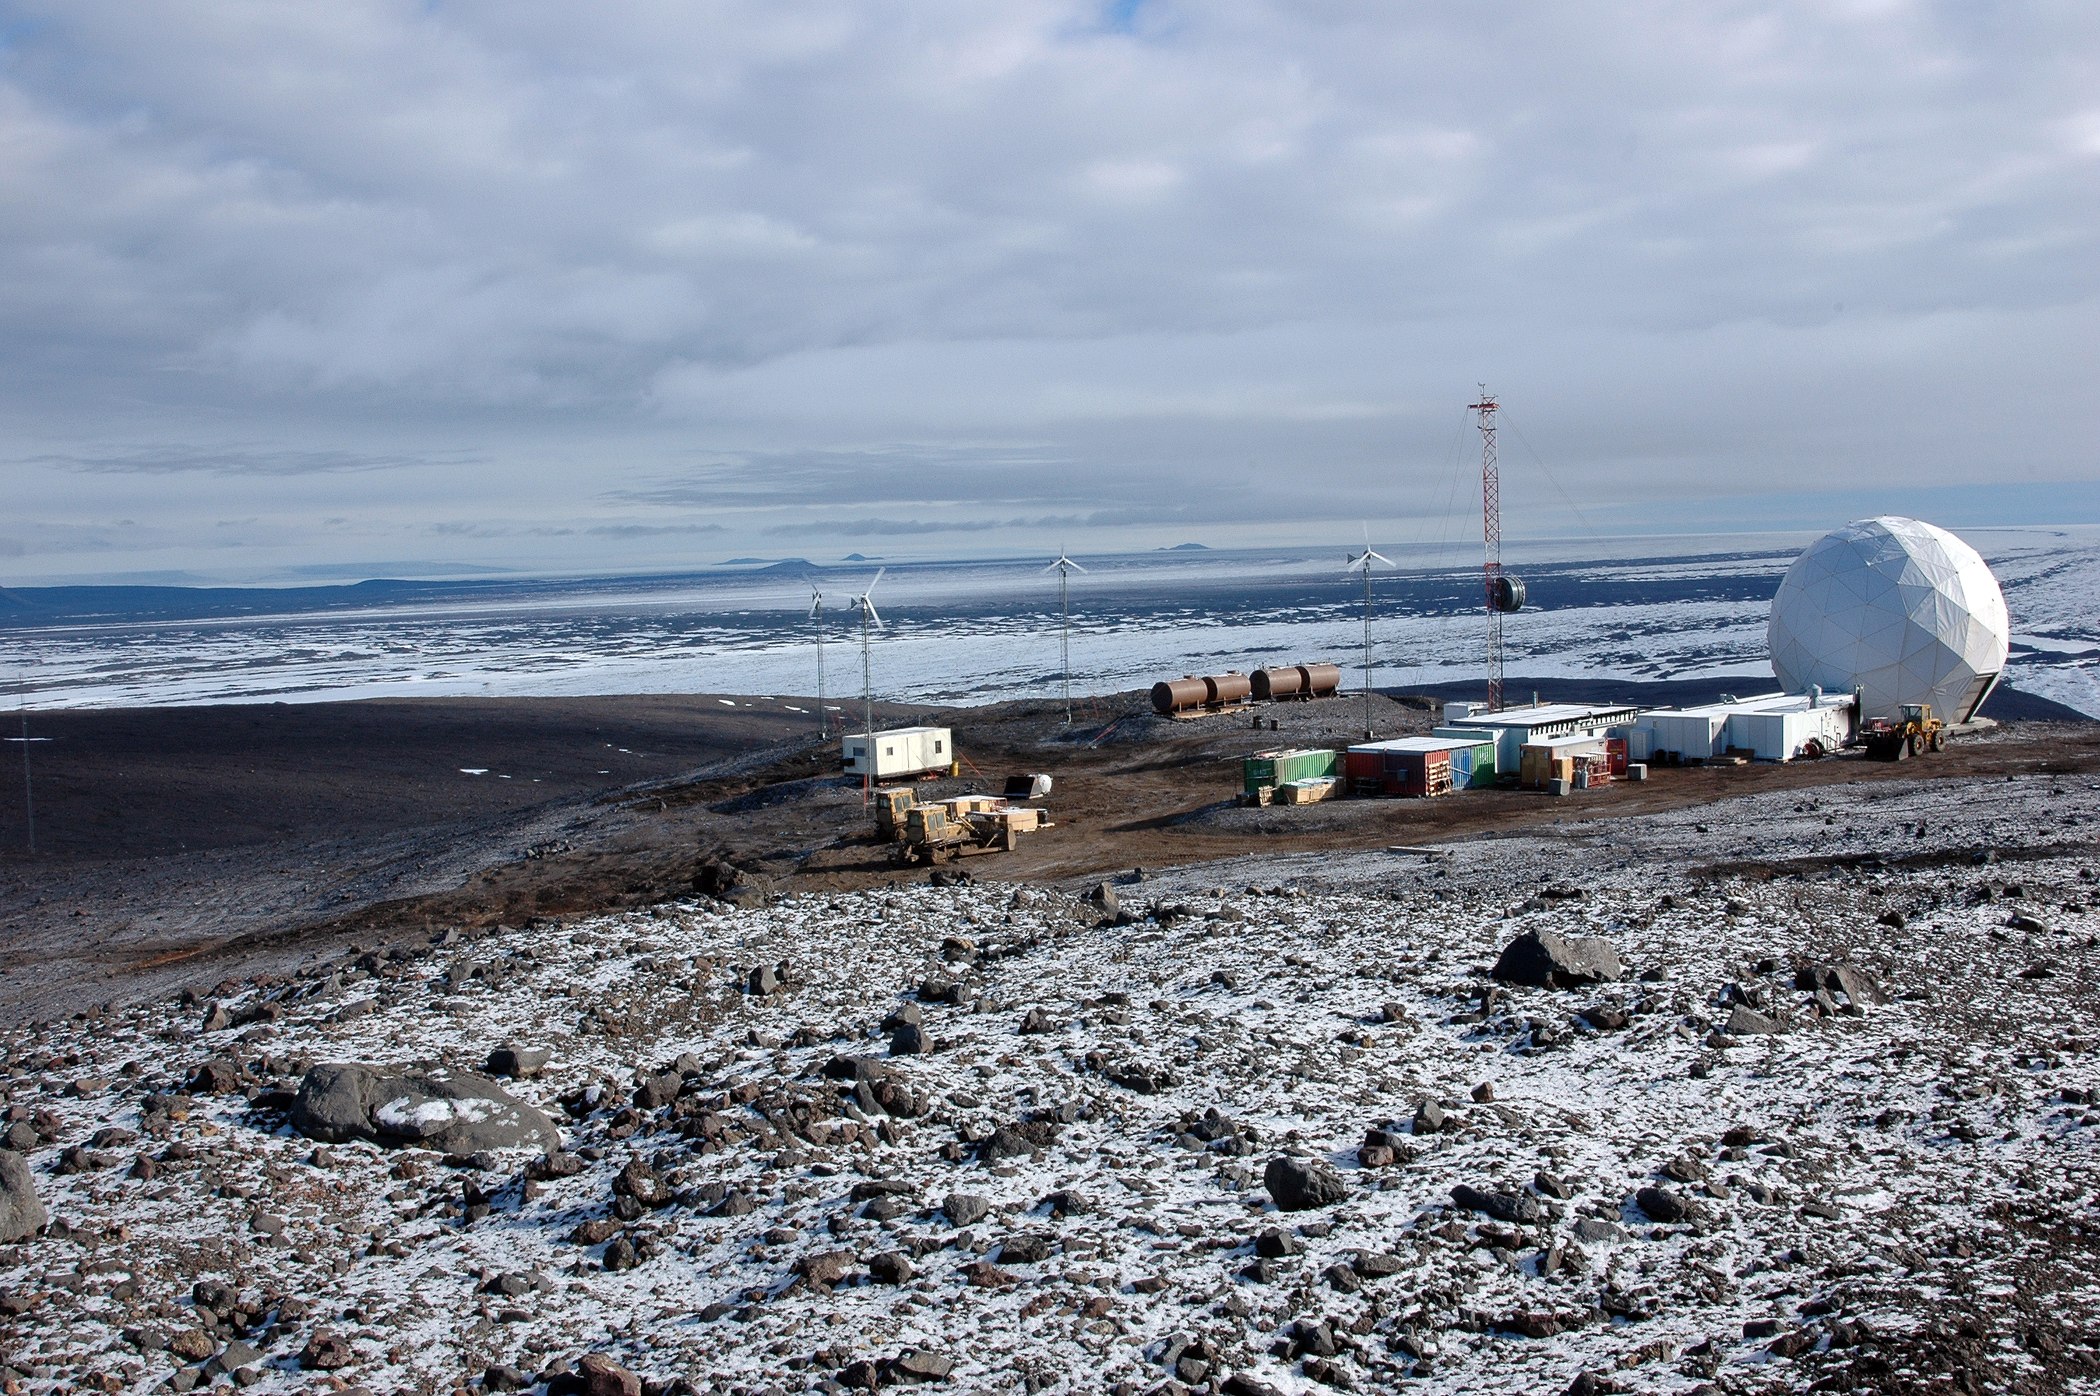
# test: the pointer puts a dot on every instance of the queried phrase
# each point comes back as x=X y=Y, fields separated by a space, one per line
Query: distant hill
x=1184 y=548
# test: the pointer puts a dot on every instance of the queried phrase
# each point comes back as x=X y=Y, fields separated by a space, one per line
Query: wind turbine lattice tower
x=866 y=605
x=1364 y=560
x=1063 y=566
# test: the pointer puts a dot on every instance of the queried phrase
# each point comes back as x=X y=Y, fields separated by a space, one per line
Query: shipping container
x=1420 y=766
x=904 y=752
x=1283 y=767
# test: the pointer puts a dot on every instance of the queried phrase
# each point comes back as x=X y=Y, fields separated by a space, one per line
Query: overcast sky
x=372 y=287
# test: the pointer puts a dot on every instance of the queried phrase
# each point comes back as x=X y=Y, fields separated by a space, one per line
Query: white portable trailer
x=904 y=751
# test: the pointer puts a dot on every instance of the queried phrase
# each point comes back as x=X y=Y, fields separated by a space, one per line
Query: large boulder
x=453 y=1112
x=21 y=1214
x=1302 y=1184
x=1512 y=1207
x=1544 y=960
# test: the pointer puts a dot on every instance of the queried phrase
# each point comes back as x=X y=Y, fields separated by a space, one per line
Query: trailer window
x=889 y=751
x=936 y=746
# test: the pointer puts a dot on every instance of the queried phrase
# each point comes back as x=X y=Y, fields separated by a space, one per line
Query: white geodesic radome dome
x=1900 y=610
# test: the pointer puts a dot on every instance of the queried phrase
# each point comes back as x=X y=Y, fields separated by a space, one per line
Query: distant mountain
x=1185 y=547
x=856 y=557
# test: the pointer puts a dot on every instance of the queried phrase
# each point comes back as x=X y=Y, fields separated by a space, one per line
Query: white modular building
x=1516 y=728
x=1772 y=727
x=905 y=751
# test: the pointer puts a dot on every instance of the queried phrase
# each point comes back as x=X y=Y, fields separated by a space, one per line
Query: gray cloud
x=980 y=271
x=147 y=460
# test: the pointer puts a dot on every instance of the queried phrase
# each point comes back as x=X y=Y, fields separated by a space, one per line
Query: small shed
x=1554 y=759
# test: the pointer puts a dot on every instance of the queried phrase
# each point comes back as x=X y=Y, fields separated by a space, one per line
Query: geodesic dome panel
x=1898 y=609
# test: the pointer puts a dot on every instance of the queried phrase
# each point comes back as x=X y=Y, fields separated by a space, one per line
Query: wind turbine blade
x=1055 y=565
x=1354 y=562
x=1073 y=565
x=878 y=577
x=873 y=614
x=1386 y=560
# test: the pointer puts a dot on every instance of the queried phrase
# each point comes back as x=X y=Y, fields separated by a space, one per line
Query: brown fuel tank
x=1179 y=695
x=1321 y=680
x=1228 y=688
x=1277 y=683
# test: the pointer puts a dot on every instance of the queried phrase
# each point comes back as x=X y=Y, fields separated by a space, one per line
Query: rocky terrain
x=1789 y=1091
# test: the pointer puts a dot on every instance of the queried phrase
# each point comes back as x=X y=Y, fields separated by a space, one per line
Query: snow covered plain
x=1907 y=1197
x=1637 y=609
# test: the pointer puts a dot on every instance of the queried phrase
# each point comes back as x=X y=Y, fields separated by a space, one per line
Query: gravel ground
x=1076 y=1187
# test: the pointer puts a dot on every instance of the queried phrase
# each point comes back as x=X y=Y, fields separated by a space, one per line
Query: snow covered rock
x=1544 y=960
x=457 y=1114
x=518 y=1062
x=1502 y=1206
x=1302 y=1184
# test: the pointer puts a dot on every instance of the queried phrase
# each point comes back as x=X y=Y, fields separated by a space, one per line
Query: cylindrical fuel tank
x=1320 y=679
x=1277 y=683
x=1229 y=688
x=1179 y=695
x=1509 y=593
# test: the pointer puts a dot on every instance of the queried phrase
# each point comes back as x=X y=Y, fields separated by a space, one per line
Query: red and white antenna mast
x=1491 y=538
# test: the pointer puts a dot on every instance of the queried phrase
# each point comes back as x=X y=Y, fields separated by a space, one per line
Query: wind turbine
x=1063 y=567
x=816 y=613
x=865 y=604
x=1364 y=560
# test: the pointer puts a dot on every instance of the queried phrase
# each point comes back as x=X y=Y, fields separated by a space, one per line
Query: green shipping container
x=1283 y=767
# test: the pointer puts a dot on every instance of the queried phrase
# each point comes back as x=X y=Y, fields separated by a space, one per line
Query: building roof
x=1430 y=744
x=1545 y=714
x=1763 y=703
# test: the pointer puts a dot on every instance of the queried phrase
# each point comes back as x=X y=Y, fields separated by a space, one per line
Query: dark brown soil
x=181 y=844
